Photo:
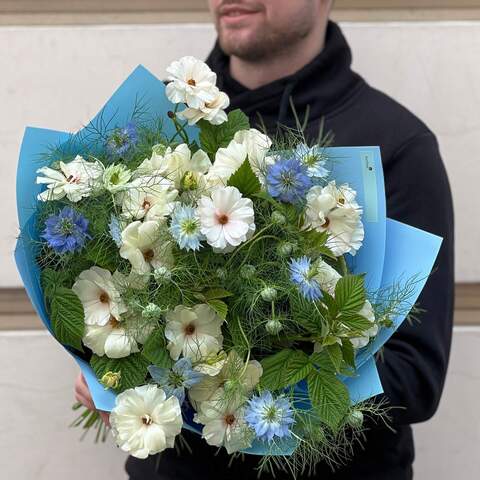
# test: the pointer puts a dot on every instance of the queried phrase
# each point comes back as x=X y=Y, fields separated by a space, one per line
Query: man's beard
x=267 y=43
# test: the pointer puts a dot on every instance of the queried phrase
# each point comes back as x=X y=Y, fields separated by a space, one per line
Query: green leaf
x=322 y=361
x=329 y=397
x=285 y=368
x=67 y=318
x=51 y=280
x=133 y=369
x=350 y=293
x=245 y=180
x=220 y=307
x=217 y=293
x=154 y=349
x=213 y=137
x=355 y=322
x=348 y=353
x=335 y=354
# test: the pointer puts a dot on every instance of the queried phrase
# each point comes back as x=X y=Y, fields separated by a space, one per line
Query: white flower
x=117 y=339
x=99 y=296
x=231 y=369
x=191 y=82
x=115 y=177
x=334 y=209
x=144 y=421
x=226 y=218
x=149 y=197
x=111 y=339
x=326 y=276
x=144 y=246
x=75 y=180
x=195 y=332
x=257 y=145
x=367 y=312
x=175 y=164
x=224 y=424
x=227 y=161
x=250 y=144
x=213 y=111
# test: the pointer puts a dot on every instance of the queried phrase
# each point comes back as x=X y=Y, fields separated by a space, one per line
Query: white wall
x=59 y=77
x=37 y=392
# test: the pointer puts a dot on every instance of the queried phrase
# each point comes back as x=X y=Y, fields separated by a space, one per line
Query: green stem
x=247 y=243
x=343 y=265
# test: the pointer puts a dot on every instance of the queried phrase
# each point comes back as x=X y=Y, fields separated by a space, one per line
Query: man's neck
x=255 y=74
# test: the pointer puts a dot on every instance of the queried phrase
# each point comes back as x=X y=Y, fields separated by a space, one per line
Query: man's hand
x=82 y=394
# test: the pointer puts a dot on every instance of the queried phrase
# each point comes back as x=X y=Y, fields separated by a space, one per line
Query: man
x=269 y=51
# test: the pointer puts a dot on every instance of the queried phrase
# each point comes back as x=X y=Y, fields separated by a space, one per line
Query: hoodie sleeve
x=415 y=359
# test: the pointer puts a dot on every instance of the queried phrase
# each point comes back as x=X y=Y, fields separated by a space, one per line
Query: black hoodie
x=415 y=359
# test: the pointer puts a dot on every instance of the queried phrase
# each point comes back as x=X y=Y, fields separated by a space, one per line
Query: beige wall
x=58 y=77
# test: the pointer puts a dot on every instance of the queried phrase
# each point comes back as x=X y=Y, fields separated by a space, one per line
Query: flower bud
x=162 y=275
x=111 y=379
x=278 y=218
x=274 y=326
x=151 y=311
x=269 y=294
x=355 y=418
x=285 y=249
x=247 y=271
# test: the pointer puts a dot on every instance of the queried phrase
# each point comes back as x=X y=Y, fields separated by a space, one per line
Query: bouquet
x=209 y=277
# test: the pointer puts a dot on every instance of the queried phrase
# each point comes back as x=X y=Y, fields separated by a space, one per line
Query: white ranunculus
x=75 y=180
x=191 y=82
x=334 y=209
x=257 y=145
x=326 y=276
x=213 y=112
x=367 y=312
x=174 y=164
x=149 y=197
x=224 y=424
x=99 y=295
x=144 y=246
x=194 y=332
x=226 y=218
x=144 y=421
x=231 y=369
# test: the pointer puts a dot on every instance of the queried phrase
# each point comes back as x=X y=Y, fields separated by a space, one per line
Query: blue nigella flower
x=67 y=231
x=303 y=275
x=269 y=417
x=115 y=230
x=313 y=159
x=185 y=228
x=174 y=381
x=122 y=139
x=288 y=180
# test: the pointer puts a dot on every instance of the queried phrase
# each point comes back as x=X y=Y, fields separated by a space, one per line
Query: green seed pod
x=278 y=218
x=151 y=311
x=162 y=275
x=248 y=271
x=269 y=294
x=355 y=418
x=274 y=326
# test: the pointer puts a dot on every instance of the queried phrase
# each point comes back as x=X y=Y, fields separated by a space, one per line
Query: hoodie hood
x=323 y=85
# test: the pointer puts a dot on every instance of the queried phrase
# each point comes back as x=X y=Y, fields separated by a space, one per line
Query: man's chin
x=239 y=44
